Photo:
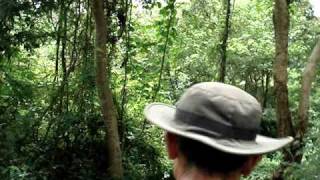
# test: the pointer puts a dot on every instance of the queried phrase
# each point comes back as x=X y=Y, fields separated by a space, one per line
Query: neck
x=184 y=172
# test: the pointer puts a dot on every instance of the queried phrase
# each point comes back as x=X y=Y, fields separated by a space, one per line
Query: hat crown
x=222 y=103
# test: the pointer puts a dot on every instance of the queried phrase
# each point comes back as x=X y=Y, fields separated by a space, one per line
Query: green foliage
x=20 y=25
x=266 y=168
x=309 y=168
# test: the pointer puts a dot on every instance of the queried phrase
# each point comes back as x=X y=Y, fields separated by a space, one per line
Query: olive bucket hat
x=219 y=115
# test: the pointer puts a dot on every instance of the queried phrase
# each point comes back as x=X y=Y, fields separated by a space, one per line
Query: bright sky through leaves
x=316 y=7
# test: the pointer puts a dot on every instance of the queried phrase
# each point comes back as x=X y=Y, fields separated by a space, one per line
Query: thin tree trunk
x=74 y=51
x=266 y=91
x=63 y=108
x=170 y=22
x=57 y=54
x=225 y=37
x=171 y=5
x=107 y=106
x=87 y=38
x=308 y=77
x=58 y=40
x=124 y=99
x=64 y=43
x=172 y=81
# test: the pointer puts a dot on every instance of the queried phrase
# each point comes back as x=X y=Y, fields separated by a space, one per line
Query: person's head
x=192 y=154
x=214 y=128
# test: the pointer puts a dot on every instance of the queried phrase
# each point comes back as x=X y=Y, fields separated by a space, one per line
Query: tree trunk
x=225 y=37
x=171 y=5
x=266 y=90
x=58 y=39
x=107 y=106
x=284 y=123
x=64 y=90
x=281 y=26
x=308 y=77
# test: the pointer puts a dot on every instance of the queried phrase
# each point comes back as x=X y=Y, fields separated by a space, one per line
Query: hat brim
x=163 y=116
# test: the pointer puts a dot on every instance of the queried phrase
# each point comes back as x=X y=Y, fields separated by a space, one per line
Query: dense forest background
x=75 y=76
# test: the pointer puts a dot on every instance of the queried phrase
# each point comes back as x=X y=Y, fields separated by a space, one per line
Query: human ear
x=250 y=164
x=172 y=146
